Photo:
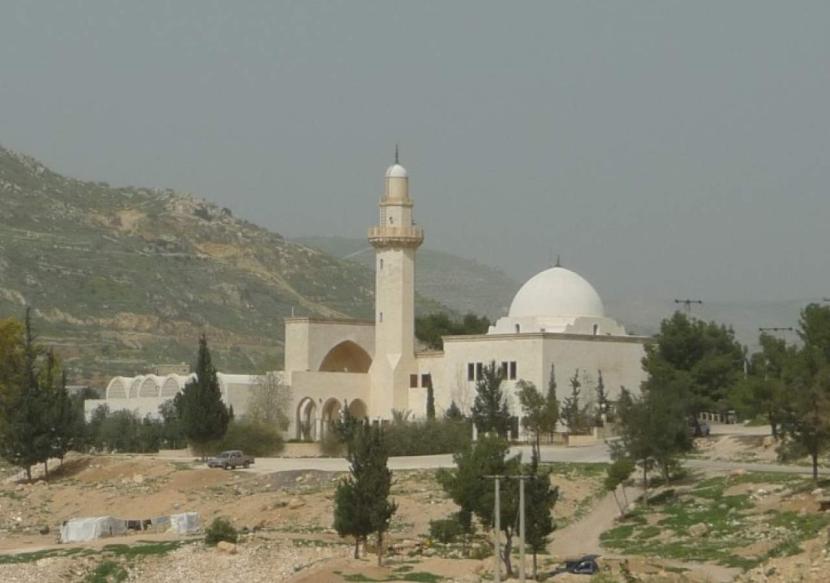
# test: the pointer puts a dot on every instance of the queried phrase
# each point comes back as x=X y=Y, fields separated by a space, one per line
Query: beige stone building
x=556 y=319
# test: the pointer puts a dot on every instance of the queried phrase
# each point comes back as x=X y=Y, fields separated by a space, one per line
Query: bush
x=445 y=530
x=332 y=444
x=220 y=530
x=256 y=439
x=427 y=437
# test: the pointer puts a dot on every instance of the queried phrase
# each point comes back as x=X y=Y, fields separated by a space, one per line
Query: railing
x=412 y=235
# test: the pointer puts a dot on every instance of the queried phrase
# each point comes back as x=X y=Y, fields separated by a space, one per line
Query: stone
x=699 y=529
x=738 y=472
x=138 y=479
x=818 y=492
x=295 y=503
x=44 y=530
x=226 y=547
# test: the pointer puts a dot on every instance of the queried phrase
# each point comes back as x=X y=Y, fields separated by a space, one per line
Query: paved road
x=589 y=454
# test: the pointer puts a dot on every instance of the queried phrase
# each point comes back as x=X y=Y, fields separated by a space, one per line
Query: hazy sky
x=663 y=148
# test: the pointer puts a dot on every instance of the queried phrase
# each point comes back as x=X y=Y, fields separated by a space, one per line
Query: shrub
x=445 y=530
x=220 y=530
x=253 y=438
x=332 y=444
x=427 y=437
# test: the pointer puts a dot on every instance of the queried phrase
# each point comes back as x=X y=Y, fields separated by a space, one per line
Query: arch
x=307 y=419
x=149 y=387
x=118 y=388
x=346 y=357
x=173 y=384
x=358 y=409
x=135 y=384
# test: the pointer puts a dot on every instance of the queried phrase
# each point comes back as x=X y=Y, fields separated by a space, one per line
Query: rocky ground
x=713 y=527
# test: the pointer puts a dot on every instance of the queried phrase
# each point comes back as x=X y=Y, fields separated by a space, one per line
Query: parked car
x=587 y=565
x=230 y=459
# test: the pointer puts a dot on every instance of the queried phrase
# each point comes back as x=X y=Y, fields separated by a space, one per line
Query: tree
x=616 y=475
x=806 y=420
x=572 y=412
x=602 y=401
x=172 y=434
x=551 y=413
x=653 y=431
x=270 y=401
x=27 y=438
x=431 y=329
x=706 y=356
x=453 y=413
x=540 y=497
x=468 y=488
x=203 y=414
x=534 y=408
x=362 y=504
x=490 y=412
x=430 y=402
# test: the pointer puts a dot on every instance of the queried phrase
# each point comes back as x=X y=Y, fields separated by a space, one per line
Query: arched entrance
x=358 y=409
x=307 y=420
x=346 y=357
x=332 y=412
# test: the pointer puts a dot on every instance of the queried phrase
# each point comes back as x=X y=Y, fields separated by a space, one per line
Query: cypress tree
x=551 y=415
x=204 y=415
x=430 y=402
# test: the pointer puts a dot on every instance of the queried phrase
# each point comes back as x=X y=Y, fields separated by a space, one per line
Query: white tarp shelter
x=185 y=523
x=86 y=529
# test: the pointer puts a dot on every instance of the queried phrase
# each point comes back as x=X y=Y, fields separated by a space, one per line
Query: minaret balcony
x=391 y=236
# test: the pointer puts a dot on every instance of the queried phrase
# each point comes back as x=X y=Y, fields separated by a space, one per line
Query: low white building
x=144 y=394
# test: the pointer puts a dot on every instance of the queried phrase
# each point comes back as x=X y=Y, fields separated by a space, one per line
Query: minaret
x=395 y=240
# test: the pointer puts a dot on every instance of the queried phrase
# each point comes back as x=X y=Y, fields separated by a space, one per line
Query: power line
x=687 y=304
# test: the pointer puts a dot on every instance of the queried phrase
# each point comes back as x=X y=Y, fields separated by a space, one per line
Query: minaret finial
x=397 y=160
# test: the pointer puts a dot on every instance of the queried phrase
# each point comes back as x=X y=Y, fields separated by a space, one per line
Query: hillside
x=122 y=278
x=464 y=285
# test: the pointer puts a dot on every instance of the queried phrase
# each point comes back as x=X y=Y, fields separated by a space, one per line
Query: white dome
x=557 y=292
x=396 y=171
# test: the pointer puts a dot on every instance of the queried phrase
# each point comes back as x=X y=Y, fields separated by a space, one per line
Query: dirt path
x=582 y=537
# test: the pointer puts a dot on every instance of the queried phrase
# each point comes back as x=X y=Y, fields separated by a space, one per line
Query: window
x=380 y=317
x=479 y=371
x=413 y=381
x=426 y=380
x=380 y=265
x=596 y=329
x=504 y=369
x=518 y=328
x=512 y=376
x=471 y=371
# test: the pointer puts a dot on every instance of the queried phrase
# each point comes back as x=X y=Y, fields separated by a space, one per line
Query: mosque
x=556 y=322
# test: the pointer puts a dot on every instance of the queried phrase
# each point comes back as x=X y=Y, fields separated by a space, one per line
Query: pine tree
x=540 y=497
x=490 y=412
x=361 y=502
x=430 y=402
x=204 y=415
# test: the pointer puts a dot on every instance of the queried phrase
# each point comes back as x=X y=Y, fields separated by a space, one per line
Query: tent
x=185 y=523
x=86 y=529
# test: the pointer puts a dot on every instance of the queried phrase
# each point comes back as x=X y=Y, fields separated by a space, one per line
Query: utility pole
x=496 y=529
x=522 y=479
x=687 y=304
